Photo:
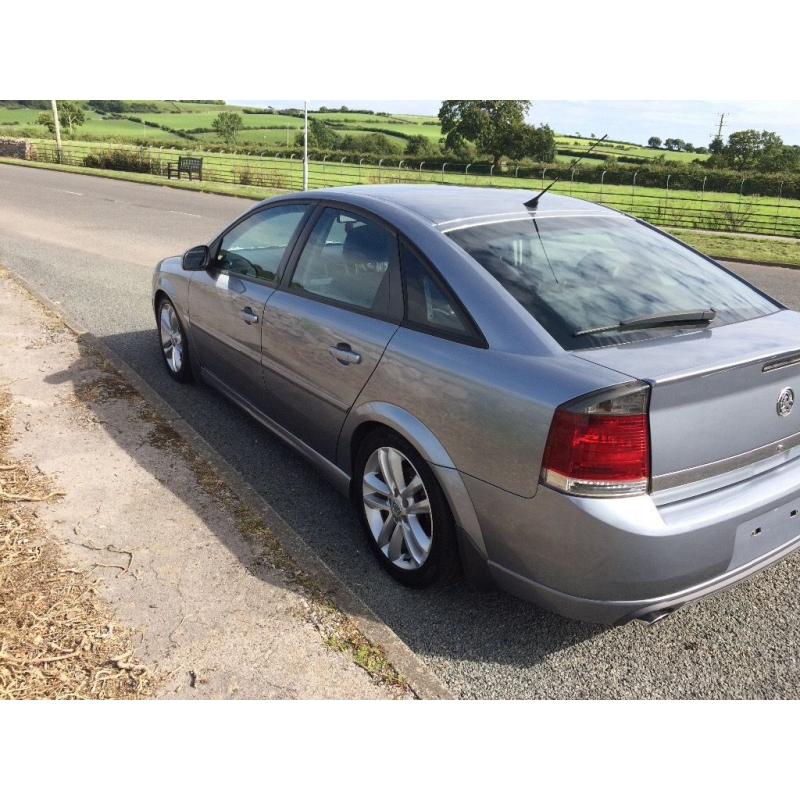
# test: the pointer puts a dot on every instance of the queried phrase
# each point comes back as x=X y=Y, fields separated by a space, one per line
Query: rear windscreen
x=577 y=273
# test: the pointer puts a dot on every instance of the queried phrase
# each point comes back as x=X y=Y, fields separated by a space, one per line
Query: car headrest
x=366 y=243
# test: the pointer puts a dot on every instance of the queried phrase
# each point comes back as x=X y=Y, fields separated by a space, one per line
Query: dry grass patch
x=107 y=386
x=57 y=638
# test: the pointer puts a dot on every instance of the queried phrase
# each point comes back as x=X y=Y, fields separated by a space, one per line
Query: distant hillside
x=181 y=122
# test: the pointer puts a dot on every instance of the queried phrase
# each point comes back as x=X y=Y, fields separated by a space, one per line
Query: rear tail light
x=599 y=445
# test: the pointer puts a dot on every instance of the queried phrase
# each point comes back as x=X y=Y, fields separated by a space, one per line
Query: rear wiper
x=701 y=316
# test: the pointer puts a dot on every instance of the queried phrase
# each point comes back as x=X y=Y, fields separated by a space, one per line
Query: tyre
x=173 y=341
x=405 y=515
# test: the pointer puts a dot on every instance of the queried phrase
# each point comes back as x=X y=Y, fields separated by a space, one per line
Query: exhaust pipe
x=652 y=617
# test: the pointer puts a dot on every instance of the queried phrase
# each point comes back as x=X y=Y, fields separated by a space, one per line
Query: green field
x=18 y=116
x=359 y=118
x=270 y=130
x=178 y=117
x=205 y=119
x=271 y=139
x=432 y=132
x=123 y=129
x=619 y=150
x=96 y=127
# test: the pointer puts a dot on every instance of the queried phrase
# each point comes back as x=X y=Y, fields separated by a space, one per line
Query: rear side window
x=255 y=247
x=575 y=274
x=428 y=304
x=347 y=260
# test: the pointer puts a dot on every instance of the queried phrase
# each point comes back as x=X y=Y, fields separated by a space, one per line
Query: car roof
x=448 y=206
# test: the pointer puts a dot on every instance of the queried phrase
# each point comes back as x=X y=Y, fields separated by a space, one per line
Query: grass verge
x=231 y=190
x=741 y=248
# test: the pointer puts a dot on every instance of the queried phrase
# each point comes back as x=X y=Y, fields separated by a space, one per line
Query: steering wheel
x=238 y=264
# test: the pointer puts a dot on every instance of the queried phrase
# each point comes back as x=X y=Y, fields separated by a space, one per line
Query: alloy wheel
x=397 y=508
x=171 y=338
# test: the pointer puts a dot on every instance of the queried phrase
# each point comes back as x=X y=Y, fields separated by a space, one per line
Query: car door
x=226 y=302
x=328 y=325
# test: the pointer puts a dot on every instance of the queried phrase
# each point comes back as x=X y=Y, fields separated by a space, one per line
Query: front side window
x=347 y=259
x=255 y=247
x=577 y=274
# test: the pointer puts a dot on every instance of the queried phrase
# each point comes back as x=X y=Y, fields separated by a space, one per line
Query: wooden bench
x=191 y=166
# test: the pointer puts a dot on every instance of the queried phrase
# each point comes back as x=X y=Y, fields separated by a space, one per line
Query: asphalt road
x=90 y=244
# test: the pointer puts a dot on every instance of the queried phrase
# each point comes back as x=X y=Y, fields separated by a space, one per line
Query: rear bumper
x=611 y=560
x=618 y=612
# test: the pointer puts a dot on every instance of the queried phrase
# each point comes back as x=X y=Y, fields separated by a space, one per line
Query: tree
x=494 y=126
x=419 y=146
x=320 y=136
x=654 y=141
x=227 y=124
x=110 y=106
x=377 y=143
x=786 y=160
x=716 y=146
x=70 y=115
x=538 y=144
x=742 y=149
x=674 y=144
x=754 y=150
x=465 y=152
x=689 y=147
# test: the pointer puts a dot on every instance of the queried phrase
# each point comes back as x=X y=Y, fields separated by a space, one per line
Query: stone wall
x=15 y=148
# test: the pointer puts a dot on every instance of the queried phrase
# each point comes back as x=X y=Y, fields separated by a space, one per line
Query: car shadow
x=454 y=623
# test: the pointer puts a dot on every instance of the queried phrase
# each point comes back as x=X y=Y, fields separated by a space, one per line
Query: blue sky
x=629 y=120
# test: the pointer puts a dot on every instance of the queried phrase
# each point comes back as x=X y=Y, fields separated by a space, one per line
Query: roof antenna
x=534 y=201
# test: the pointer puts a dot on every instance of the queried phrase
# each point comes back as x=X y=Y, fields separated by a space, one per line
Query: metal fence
x=666 y=207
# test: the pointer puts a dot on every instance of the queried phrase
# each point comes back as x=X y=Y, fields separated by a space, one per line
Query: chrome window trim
x=513 y=216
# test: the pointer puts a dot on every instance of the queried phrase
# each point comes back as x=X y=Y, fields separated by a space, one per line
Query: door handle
x=247 y=315
x=344 y=354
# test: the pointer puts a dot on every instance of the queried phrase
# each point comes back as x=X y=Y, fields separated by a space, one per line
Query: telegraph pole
x=716 y=140
x=57 y=128
x=305 y=146
x=721 y=123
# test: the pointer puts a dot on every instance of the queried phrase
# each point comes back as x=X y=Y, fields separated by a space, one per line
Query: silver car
x=559 y=399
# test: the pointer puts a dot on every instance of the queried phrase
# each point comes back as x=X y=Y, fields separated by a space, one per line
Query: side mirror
x=196 y=258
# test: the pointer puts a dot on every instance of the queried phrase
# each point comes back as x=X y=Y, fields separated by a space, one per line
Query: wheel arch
x=175 y=287
x=368 y=417
x=159 y=293
x=378 y=414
